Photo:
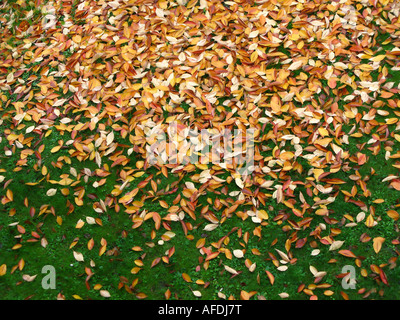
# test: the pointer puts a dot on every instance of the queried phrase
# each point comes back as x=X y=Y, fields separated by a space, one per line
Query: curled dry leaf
x=28 y=278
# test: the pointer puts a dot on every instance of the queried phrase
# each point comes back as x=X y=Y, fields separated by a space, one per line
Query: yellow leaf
x=9 y=195
x=276 y=104
x=286 y=155
x=102 y=250
x=323 y=132
x=328 y=293
x=77 y=39
x=378 y=58
x=141 y=295
x=186 y=277
x=55 y=149
x=90 y=244
x=79 y=224
x=262 y=214
x=270 y=277
x=3 y=269
x=317 y=173
x=323 y=142
x=135 y=270
x=378 y=241
x=244 y=295
x=254 y=56
x=370 y=221
x=393 y=214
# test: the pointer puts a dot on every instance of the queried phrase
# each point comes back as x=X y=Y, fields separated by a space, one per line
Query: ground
x=84 y=83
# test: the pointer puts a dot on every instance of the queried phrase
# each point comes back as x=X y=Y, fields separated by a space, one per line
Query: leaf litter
x=85 y=82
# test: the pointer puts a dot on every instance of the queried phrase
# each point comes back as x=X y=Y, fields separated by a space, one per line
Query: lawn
x=85 y=84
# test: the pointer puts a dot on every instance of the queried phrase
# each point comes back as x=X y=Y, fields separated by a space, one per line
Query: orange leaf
x=395 y=184
x=370 y=221
x=90 y=244
x=3 y=269
x=212 y=256
x=393 y=214
x=141 y=295
x=270 y=277
x=378 y=241
x=9 y=195
x=244 y=295
x=186 y=277
x=167 y=294
x=155 y=262
x=361 y=158
x=347 y=253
